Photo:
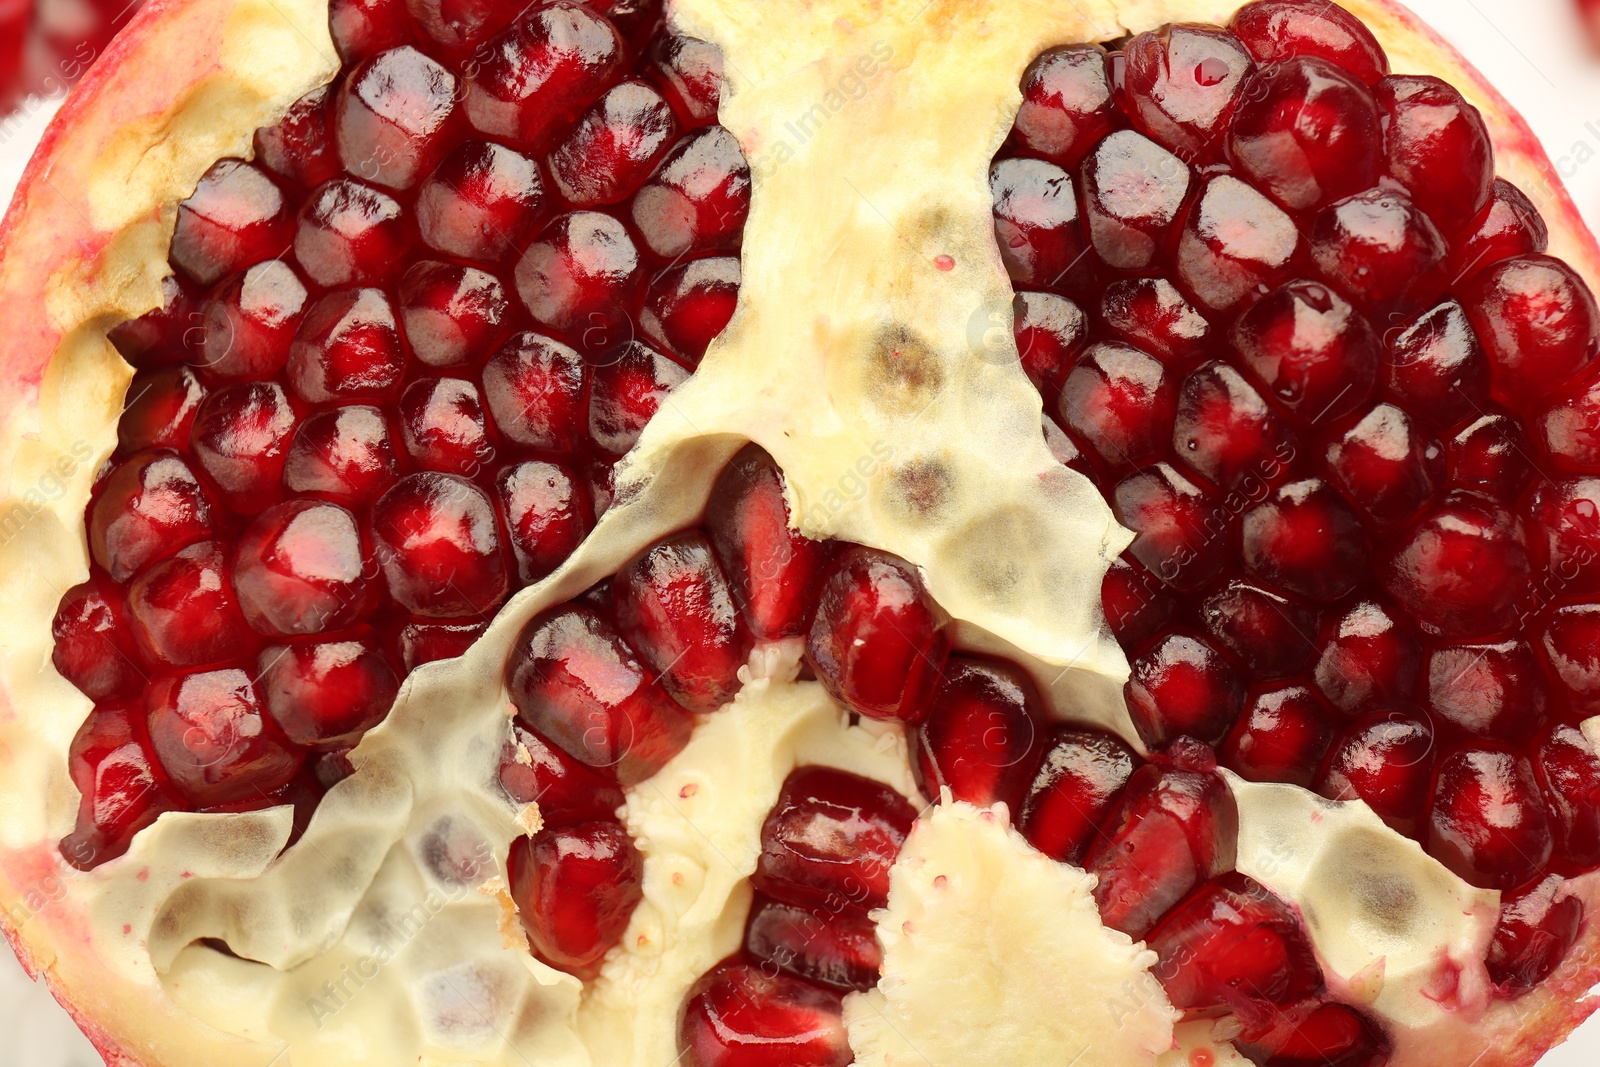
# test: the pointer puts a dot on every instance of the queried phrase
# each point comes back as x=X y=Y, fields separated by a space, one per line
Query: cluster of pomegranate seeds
x=398 y=355
x=47 y=45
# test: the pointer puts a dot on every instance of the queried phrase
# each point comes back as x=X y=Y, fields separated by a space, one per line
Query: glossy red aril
x=533 y=771
x=1067 y=104
x=1182 y=83
x=94 y=649
x=481 y=203
x=348 y=348
x=1306 y=540
x=1539 y=326
x=1314 y=353
x=342 y=454
x=452 y=314
x=350 y=234
x=438 y=545
x=1133 y=190
x=688 y=305
x=1278 y=29
x=1572 y=647
x=547 y=513
x=1150 y=313
x=123 y=790
x=580 y=276
x=1437 y=147
x=1463 y=568
x=575 y=889
x=1317 y=1033
x=1180 y=533
x=1235 y=243
x=1494 y=691
x=629 y=387
x=1036 y=223
x=838 y=951
x=164 y=335
x=741 y=1015
x=1491 y=455
x=392 y=117
x=236 y=216
x=1488 y=823
x=326 y=694
x=250 y=321
x=1077 y=782
x=1538 y=926
x=363 y=28
x=1117 y=401
x=1281 y=736
x=1270 y=633
x=304 y=567
x=1386 y=463
x=443 y=427
x=183 y=611
x=457 y=26
x=1385 y=759
x=213 y=739
x=159 y=410
x=983 y=736
x=1133 y=602
x=697 y=199
x=534 y=387
x=148 y=508
x=1435 y=368
x=417 y=643
x=1382 y=249
x=613 y=147
x=688 y=71
x=241 y=438
x=1049 y=331
x=1569 y=770
x=1227 y=432
x=1368 y=658
x=1569 y=430
x=1182 y=685
x=1509 y=225
x=300 y=148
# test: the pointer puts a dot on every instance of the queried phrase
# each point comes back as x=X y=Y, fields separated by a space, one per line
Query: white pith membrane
x=868 y=374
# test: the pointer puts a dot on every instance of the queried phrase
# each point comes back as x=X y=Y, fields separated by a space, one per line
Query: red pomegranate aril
x=214 y=740
x=459 y=27
x=325 y=695
x=1385 y=759
x=300 y=147
x=1306 y=133
x=1151 y=314
x=547 y=513
x=159 y=410
x=576 y=888
x=1278 y=29
x=481 y=203
x=1134 y=603
x=1496 y=692
x=1488 y=823
x=452 y=314
x=1317 y=1033
x=837 y=951
x=674 y=605
x=1572 y=646
x=1272 y=634
x=1381 y=249
x=1509 y=225
x=1181 y=84
x=629 y=386
x=417 y=642
x=1282 y=735
x=123 y=789
x=1386 y=464
x=983 y=737
x=165 y=335
x=1077 y=782
x=542 y=71
x=697 y=200
x=183 y=612
x=1314 y=353
x=350 y=234
x=237 y=216
x=342 y=454
x=1491 y=456
x=1566 y=518
x=1539 y=326
x=1570 y=431
x=1067 y=104
x=1181 y=536
x=1437 y=147
x=303 y=567
x=878 y=640
x=1369 y=658
x=1463 y=569
x=740 y=1015
x=1568 y=768
x=536 y=390
x=580 y=276
x=1182 y=685
x=149 y=507
x=443 y=427
x=613 y=147
x=1036 y=223
x=249 y=322
x=1538 y=926
x=392 y=117
x=1050 y=331
x=93 y=646
x=1305 y=539
x=348 y=348
x=1235 y=243
x=439 y=547
x=1436 y=369
x=1118 y=402
x=241 y=438
x=830 y=840
x=533 y=771
x=1170 y=830
x=576 y=682
x=687 y=305
x=688 y=71
x=363 y=28
x=1133 y=191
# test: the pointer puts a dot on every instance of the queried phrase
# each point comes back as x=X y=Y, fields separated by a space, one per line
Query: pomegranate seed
x=159 y=410
x=1181 y=85
x=1278 y=29
x=1369 y=658
x=1118 y=402
x=574 y=681
x=1133 y=190
x=482 y=202
x=94 y=649
x=1436 y=369
x=1539 y=326
x=1311 y=350
x=1062 y=447
x=1067 y=104
x=1171 y=830
x=1463 y=568
x=348 y=348
x=1438 y=147
x=1306 y=133
x=1570 y=431
x=1569 y=769
x=183 y=613
x=443 y=427
x=438 y=546
x=1383 y=250
x=674 y=605
x=698 y=199
x=576 y=888
x=547 y=514
x=1180 y=533
x=1305 y=539
x=535 y=389
x=326 y=694
x=250 y=321
x=1036 y=223
x=1182 y=685
x=688 y=71
x=1538 y=927
x=459 y=26
x=1509 y=225
x=342 y=454
x=363 y=28
x=214 y=740
x=627 y=391
x=982 y=738
x=392 y=117
x=165 y=335
x=237 y=216
x=149 y=507
x=542 y=72
x=687 y=305
x=1281 y=737
x=1151 y=314
x=1572 y=645
x=739 y=1015
x=123 y=790
x=1234 y=243
x=1317 y=1034
x=1490 y=456
x=452 y=314
x=1496 y=691
x=1050 y=332
x=580 y=276
x=1385 y=759
x=1079 y=779
x=830 y=840
x=241 y=439
x=533 y=771
x=1488 y=823
x=878 y=641
x=300 y=147
x=614 y=146
x=417 y=643
x=1270 y=633
x=302 y=568
x=1133 y=602
x=837 y=951
x=350 y=234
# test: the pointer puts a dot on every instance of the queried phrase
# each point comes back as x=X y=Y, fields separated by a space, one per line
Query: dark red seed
x=1270 y=633
x=1118 y=401
x=165 y=335
x=1385 y=759
x=182 y=611
x=1050 y=331
x=1181 y=85
x=149 y=507
x=1381 y=249
x=740 y=1015
x=1491 y=455
x=1151 y=314
x=1436 y=369
x=213 y=738
x=1067 y=104
x=1281 y=737
x=350 y=234
x=1570 y=430
x=94 y=648
x=830 y=949
x=1133 y=191
x=342 y=454
x=481 y=203
x=1568 y=768
x=629 y=387
x=1036 y=223
x=1488 y=823
x=443 y=427
x=1572 y=646
x=300 y=147
x=686 y=306
x=983 y=737
x=237 y=216
x=1181 y=536
x=575 y=889
x=348 y=348
x=1134 y=603
x=1389 y=466
x=1463 y=569
x=393 y=117
x=1078 y=781
x=458 y=27
x=303 y=567
x=122 y=787
x=1508 y=225
x=439 y=547
x=452 y=314
x=535 y=388
x=363 y=28
x=1369 y=658
x=1235 y=244
x=547 y=513
x=1496 y=692
x=689 y=73
x=1538 y=926
x=241 y=438
x=1314 y=353
x=698 y=198
x=1277 y=29
x=250 y=321
x=325 y=695
x=1315 y=1033
x=533 y=771
x=1181 y=685
x=542 y=72
x=613 y=147
x=581 y=276
x=159 y=409
x=416 y=643
x=1437 y=147
x=1305 y=539
x=1539 y=325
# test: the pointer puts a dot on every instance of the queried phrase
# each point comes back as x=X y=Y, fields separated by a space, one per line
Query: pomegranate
x=587 y=519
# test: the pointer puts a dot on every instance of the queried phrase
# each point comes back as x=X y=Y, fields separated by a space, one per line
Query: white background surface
x=1534 y=51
